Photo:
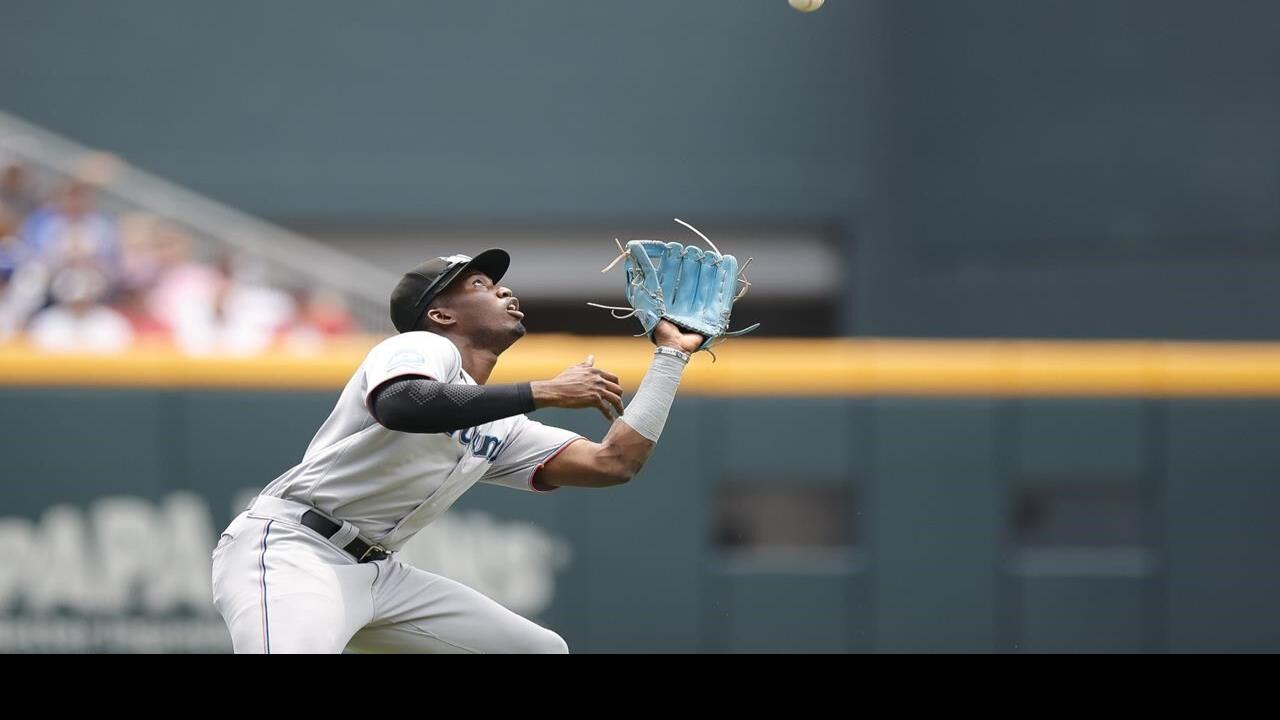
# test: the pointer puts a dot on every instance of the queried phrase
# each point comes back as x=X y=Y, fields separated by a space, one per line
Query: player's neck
x=478 y=362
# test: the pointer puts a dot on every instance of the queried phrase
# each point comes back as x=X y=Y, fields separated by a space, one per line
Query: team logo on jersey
x=406 y=358
x=483 y=446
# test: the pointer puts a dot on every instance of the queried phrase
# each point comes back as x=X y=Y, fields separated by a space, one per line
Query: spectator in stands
x=183 y=290
x=243 y=315
x=12 y=251
x=77 y=322
x=71 y=231
x=321 y=315
x=22 y=283
x=11 y=254
x=139 y=232
x=17 y=194
x=131 y=303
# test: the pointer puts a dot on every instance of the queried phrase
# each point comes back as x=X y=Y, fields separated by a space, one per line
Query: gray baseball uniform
x=283 y=587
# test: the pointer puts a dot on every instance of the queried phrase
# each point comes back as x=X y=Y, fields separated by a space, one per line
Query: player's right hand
x=581 y=386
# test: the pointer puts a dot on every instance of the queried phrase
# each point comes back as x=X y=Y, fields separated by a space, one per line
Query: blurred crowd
x=74 y=278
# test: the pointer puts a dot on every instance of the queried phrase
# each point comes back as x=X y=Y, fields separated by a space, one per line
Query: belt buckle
x=373 y=548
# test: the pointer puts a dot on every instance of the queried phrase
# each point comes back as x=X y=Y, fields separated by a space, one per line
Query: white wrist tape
x=647 y=411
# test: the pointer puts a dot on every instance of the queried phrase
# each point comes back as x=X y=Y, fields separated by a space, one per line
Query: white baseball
x=806 y=5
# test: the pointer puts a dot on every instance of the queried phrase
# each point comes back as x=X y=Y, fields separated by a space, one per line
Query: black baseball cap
x=421 y=285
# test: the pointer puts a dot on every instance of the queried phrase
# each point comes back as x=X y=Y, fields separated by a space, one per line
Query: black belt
x=359 y=549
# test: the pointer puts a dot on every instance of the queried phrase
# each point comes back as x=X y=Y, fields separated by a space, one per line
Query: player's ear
x=441 y=317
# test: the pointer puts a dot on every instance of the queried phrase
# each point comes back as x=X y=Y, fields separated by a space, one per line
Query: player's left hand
x=668 y=334
x=698 y=308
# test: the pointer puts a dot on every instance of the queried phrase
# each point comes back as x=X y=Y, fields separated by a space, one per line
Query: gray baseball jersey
x=392 y=484
x=282 y=587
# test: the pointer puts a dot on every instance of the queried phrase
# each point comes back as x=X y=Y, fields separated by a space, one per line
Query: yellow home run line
x=810 y=367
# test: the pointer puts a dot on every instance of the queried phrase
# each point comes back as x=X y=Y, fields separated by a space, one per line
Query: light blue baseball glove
x=691 y=287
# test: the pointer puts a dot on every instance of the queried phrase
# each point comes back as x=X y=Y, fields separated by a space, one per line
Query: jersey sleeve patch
x=406 y=360
x=415 y=353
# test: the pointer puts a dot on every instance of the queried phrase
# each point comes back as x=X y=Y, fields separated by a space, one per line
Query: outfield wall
x=936 y=520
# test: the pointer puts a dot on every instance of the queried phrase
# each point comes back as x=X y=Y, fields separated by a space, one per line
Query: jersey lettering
x=485 y=446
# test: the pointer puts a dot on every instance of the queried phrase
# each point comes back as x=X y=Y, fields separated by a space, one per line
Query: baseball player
x=311 y=565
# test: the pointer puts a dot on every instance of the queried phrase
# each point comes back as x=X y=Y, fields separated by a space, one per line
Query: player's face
x=487 y=310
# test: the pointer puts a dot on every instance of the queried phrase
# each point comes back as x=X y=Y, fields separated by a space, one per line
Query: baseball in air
x=806 y=5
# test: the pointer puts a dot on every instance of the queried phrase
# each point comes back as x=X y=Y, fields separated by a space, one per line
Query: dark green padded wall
x=932 y=560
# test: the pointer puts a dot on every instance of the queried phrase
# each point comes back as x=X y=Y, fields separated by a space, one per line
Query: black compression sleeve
x=420 y=405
